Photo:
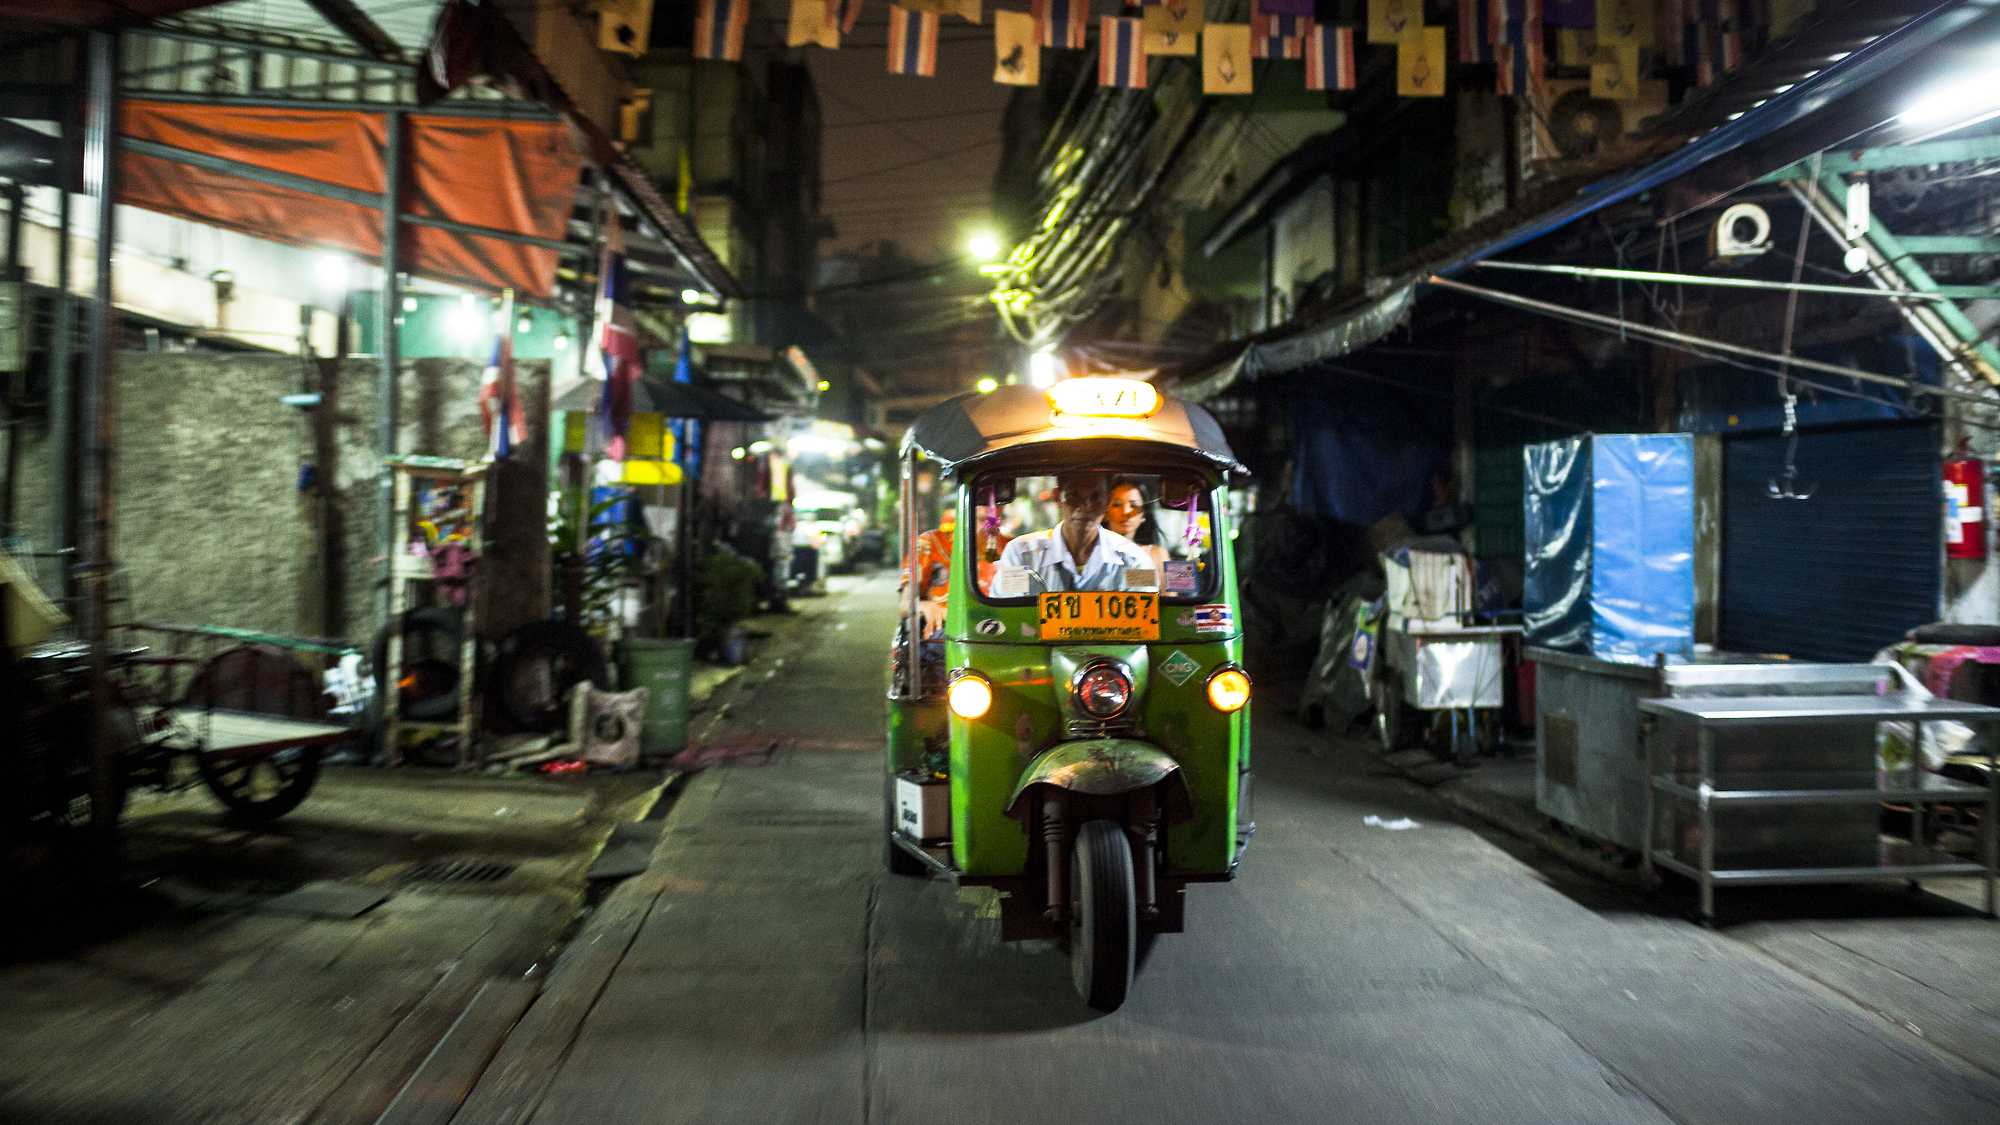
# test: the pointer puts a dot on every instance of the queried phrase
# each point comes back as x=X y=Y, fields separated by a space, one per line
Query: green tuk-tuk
x=1075 y=734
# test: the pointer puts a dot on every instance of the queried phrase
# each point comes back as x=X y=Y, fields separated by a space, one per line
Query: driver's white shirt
x=1051 y=568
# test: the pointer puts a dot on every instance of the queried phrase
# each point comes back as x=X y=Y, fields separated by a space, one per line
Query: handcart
x=1439 y=672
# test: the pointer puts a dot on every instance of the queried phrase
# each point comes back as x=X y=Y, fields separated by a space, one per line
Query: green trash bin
x=664 y=668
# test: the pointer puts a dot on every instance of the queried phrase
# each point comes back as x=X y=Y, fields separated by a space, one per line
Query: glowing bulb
x=987 y=384
x=984 y=246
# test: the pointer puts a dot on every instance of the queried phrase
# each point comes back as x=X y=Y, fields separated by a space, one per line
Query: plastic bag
x=1897 y=743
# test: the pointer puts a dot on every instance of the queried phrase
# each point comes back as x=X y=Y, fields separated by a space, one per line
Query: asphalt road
x=1351 y=974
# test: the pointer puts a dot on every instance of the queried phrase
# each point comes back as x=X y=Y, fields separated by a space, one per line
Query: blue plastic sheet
x=1609 y=524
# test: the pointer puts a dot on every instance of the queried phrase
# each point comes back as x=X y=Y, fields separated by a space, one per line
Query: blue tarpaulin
x=1609 y=525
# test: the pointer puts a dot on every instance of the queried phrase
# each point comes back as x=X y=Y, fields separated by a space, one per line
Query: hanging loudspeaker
x=1744 y=230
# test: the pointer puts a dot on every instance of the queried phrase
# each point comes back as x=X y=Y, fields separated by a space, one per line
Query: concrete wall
x=213 y=526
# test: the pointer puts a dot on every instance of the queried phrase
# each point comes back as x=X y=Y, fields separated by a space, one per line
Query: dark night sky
x=941 y=135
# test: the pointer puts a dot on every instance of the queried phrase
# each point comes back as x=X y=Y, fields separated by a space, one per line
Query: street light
x=984 y=246
x=987 y=384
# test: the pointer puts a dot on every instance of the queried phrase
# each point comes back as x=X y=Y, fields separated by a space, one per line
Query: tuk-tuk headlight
x=970 y=695
x=1103 y=690
x=1228 y=689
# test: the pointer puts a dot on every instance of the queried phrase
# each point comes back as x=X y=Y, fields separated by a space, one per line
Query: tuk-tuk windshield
x=1036 y=534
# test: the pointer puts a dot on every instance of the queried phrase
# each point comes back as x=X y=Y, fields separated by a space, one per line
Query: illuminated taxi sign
x=1101 y=396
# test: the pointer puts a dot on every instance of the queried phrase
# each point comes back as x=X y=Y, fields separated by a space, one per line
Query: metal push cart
x=1761 y=790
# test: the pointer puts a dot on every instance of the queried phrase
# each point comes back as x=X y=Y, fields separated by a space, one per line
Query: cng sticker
x=1179 y=668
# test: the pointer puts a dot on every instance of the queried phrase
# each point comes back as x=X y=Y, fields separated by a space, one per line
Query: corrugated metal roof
x=408 y=22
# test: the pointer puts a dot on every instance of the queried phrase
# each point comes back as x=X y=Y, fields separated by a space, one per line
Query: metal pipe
x=98 y=432
x=1955 y=344
x=389 y=392
x=62 y=397
x=510 y=110
x=1648 y=331
x=1658 y=277
x=261 y=47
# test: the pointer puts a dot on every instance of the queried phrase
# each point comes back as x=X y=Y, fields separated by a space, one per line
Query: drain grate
x=457 y=871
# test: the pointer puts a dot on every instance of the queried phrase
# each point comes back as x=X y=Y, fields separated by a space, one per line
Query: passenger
x=1127 y=515
x=930 y=561
x=1051 y=557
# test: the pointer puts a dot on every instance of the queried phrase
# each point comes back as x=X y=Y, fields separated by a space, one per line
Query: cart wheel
x=260 y=789
x=1104 y=926
x=1389 y=725
x=268 y=681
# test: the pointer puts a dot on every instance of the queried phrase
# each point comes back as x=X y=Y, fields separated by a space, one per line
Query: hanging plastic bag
x=1896 y=744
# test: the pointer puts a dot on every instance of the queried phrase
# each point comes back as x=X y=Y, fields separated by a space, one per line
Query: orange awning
x=316 y=177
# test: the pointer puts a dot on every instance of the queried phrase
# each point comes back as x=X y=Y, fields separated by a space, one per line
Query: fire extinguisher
x=1964 y=506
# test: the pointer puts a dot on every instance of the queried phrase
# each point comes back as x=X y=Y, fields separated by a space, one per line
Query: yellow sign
x=1108 y=616
x=1625 y=21
x=1173 y=27
x=1615 y=74
x=1420 y=65
x=1225 y=58
x=1017 y=49
x=1104 y=396
x=812 y=25
x=1396 y=21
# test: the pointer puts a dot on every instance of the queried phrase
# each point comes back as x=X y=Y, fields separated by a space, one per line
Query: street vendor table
x=1720 y=768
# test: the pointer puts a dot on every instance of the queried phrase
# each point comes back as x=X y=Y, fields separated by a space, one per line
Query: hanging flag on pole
x=500 y=407
x=811 y=26
x=1121 y=53
x=1475 y=31
x=1329 y=57
x=617 y=335
x=1017 y=50
x=1061 y=22
x=718 y=29
x=913 y=42
x=1420 y=65
x=1173 y=27
x=1225 y=58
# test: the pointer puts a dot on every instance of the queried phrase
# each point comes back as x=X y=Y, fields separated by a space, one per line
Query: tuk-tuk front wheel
x=1104 y=924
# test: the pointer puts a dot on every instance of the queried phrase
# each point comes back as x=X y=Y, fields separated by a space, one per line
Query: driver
x=1078 y=553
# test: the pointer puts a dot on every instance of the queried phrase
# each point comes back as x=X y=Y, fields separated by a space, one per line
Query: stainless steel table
x=1759 y=780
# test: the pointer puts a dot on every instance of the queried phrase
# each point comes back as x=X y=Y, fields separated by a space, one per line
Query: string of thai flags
x=1703 y=35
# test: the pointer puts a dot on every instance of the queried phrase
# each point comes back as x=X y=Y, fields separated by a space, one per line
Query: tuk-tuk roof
x=972 y=427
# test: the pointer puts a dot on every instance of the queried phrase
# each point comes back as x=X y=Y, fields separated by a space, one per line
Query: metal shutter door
x=1841 y=575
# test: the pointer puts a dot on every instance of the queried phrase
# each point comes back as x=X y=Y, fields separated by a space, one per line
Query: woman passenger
x=1126 y=513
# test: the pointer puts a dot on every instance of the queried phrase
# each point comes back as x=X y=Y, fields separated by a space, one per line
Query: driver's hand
x=933 y=614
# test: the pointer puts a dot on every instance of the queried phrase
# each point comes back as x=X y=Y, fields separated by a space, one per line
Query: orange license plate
x=1088 y=616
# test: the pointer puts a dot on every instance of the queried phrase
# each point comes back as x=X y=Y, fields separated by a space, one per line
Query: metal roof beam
x=1845 y=162
x=354 y=23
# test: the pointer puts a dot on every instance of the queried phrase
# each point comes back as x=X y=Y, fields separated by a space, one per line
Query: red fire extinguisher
x=1964 y=506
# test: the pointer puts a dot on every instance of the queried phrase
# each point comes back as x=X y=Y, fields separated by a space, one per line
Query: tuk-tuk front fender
x=1105 y=767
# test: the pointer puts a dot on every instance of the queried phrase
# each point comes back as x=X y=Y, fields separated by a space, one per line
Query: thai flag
x=499 y=402
x=844 y=13
x=617 y=341
x=913 y=42
x=1276 y=35
x=718 y=29
x=1062 y=22
x=1521 y=58
x=1121 y=53
x=1475 y=35
x=686 y=431
x=1500 y=13
x=1329 y=57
